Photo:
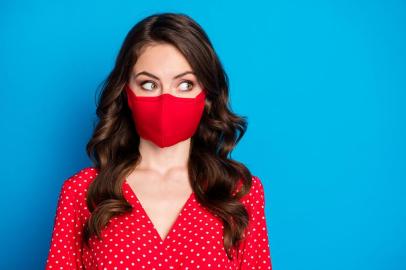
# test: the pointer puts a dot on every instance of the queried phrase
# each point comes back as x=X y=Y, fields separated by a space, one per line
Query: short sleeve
x=254 y=250
x=66 y=241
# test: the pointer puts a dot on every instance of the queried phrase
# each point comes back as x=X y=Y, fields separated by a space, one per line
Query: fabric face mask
x=165 y=119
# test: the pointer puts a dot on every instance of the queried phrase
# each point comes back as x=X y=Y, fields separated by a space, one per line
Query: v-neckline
x=147 y=217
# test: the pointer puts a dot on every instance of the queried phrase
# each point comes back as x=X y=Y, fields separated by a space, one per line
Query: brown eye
x=148 y=85
x=186 y=85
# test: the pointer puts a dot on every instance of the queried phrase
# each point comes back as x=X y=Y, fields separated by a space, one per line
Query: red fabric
x=165 y=119
x=130 y=241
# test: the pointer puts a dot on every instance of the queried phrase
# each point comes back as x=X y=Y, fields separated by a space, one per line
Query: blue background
x=322 y=84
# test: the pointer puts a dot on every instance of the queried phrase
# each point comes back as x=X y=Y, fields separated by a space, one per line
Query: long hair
x=113 y=147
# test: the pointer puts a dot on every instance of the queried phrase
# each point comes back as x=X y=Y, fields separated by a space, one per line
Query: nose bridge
x=168 y=88
x=168 y=84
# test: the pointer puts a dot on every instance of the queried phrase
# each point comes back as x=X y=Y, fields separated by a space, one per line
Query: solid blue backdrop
x=322 y=84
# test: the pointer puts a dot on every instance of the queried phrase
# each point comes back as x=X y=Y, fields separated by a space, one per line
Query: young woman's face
x=161 y=68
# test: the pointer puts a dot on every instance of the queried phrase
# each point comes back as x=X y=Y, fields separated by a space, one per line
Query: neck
x=163 y=159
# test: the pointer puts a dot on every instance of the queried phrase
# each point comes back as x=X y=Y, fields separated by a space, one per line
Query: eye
x=148 y=85
x=186 y=85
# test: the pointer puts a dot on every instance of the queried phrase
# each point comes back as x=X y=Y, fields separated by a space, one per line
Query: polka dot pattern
x=130 y=240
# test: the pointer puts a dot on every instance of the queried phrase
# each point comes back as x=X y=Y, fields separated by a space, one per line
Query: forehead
x=161 y=59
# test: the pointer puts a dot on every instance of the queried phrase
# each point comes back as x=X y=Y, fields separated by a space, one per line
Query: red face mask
x=165 y=119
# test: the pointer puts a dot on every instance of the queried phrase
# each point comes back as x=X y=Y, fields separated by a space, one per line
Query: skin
x=161 y=181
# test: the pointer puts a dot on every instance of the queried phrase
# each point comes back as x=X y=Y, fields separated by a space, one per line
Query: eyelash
x=188 y=81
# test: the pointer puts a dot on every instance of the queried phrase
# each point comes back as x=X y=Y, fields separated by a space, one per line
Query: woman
x=163 y=192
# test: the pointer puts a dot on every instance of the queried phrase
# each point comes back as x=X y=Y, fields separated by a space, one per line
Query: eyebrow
x=155 y=77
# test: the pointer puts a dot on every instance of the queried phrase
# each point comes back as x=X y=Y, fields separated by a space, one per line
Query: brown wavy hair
x=113 y=147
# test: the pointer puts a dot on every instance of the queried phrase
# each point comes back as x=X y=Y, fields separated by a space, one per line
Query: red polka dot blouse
x=130 y=241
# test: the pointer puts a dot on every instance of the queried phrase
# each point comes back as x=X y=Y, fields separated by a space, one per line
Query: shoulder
x=80 y=180
x=257 y=188
x=255 y=198
x=74 y=187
